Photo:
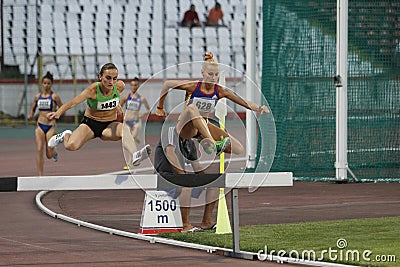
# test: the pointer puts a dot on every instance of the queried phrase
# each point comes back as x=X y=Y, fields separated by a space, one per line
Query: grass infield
x=362 y=242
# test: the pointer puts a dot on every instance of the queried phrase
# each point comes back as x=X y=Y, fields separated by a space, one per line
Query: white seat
x=184 y=49
x=32 y=46
x=184 y=71
x=62 y=60
x=197 y=33
x=171 y=50
x=101 y=60
x=47 y=41
x=223 y=32
x=144 y=25
x=156 y=58
x=225 y=58
x=157 y=67
x=132 y=69
x=61 y=46
x=115 y=45
x=237 y=44
x=213 y=48
x=171 y=72
x=197 y=48
x=239 y=61
x=74 y=6
x=118 y=59
x=196 y=69
x=156 y=48
x=75 y=46
x=225 y=44
x=145 y=69
x=171 y=60
x=237 y=29
x=184 y=57
x=128 y=46
x=102 y=45
x=157 y=26
x=211 y=36
x=184 y=39
x=88 y=45
x=171 y=36
x=211 y=32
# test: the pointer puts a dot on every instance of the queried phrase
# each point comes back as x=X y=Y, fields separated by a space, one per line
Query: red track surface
x=30 y=238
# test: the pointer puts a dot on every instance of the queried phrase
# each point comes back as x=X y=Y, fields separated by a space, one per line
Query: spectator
x=215 y=15
x=191 y=18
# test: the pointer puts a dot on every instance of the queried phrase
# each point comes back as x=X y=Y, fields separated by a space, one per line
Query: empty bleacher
x=87 y=32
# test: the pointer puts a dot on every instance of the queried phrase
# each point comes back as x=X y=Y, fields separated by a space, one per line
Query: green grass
x=381 y=236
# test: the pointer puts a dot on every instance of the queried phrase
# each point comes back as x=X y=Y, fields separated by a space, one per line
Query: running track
x=29 y=237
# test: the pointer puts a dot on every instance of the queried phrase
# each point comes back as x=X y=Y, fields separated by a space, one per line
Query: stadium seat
x=132 y=69
x=184 y=38
x=88 y=45
x=133 y=28
x=101 y=45
x=61 y=45
x=211 y=36
x=184 y=70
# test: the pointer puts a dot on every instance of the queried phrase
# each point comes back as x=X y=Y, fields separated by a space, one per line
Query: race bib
x=108 y=105
x=204 y=105
x=44 y=103
x=132 y=105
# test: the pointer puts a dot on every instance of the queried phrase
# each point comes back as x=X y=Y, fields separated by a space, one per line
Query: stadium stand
x=130 y=31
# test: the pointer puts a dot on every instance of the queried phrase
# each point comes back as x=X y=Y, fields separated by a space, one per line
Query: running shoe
x=58 y=138
x=220 y=146
x=55 y=155
x=126 y=167
x=141 y=155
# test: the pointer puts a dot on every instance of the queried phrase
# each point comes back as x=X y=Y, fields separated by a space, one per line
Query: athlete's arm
x=57 y=100
x=146 y=105
x=89 y=92
x=120 y=86
x=123 y=100
x=33 y=108
x=223 y=92
x=188 y=86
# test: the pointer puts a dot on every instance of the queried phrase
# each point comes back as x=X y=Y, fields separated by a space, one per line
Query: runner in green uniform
x=100 y=117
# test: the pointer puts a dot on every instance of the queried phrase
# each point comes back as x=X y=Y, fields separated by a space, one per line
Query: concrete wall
x=11 y=94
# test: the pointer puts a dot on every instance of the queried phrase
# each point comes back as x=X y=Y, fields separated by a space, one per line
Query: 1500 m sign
x=160 y=213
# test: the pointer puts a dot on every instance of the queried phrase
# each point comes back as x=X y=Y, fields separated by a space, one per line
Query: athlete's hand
x=263 y=109
x=161 y=112
x=52 y=115
x=119 y=110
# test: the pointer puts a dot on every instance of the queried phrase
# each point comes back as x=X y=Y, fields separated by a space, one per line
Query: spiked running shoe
x=141 y=155
x=58 y=138
x=220 y=146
